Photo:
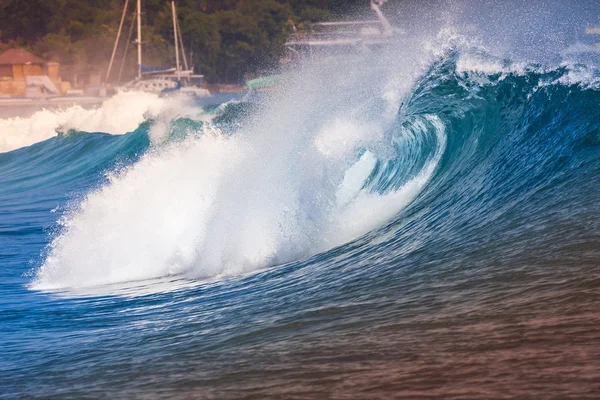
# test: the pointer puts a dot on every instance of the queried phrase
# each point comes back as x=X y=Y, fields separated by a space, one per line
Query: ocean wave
x=295 y=179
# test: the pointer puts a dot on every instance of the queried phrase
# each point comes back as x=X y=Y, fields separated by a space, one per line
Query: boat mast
x=126 y=48
x=175 y=37
x=139 y=37
x=112 y=57
x=185 y=63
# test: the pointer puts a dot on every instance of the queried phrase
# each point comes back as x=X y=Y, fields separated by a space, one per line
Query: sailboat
x=159 y=80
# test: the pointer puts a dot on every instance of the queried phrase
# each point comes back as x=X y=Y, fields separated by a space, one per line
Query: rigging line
x=112 y=57
x=175 y=37
x=185 y=63
x=126 y=48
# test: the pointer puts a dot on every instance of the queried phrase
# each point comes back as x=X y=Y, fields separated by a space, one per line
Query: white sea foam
x=219 y=205
x=117 y=115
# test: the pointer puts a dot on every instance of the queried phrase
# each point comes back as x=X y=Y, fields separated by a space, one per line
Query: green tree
x=227 y=38
x=202 y=38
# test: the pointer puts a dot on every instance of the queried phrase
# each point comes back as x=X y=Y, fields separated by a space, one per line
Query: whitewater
x=219 y=204
x=422 y=223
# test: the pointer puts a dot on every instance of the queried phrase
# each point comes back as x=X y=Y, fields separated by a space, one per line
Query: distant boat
x=160 y=80
x=342 y=36
x=331 y=39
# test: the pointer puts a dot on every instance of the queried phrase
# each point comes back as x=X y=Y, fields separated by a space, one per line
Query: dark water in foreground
x=485 y=285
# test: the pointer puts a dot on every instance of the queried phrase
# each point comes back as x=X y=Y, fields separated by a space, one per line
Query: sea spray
x=278 y=190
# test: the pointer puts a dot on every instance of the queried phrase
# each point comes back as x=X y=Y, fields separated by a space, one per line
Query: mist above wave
x=291 y=182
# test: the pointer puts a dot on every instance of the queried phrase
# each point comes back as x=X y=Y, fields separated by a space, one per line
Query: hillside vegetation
x=225 y=38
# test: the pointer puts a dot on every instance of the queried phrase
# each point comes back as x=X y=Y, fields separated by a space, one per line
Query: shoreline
x=20 y=107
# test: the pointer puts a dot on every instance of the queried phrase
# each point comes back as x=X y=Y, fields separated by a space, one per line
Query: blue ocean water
x=436 y=239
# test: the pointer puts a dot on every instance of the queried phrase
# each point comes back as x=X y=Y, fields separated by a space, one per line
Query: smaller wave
x=120 y=114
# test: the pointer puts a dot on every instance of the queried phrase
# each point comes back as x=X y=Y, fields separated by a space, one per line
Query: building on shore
x=24 y=75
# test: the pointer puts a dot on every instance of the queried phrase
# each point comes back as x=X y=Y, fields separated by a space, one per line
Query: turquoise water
x=437 y=239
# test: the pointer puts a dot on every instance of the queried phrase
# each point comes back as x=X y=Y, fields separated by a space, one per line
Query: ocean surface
x=423 y=228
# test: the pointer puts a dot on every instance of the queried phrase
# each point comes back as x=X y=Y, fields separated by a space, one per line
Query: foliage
x=225 y=38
